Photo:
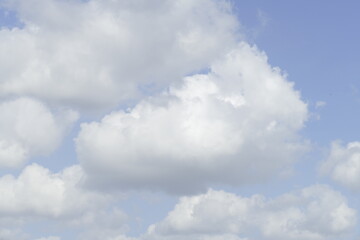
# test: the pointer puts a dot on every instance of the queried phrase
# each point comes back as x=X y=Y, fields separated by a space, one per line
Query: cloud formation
x=207 y=110
x=313 y=213
x=38 y=195
x=28 y=128
x=240 y=119
x=37 y=192
x=99 y=53
x=343 y=164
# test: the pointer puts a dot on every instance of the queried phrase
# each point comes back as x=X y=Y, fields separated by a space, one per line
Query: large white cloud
x=28 y=128
x=343 y=164
x=313 y=213
x=236 y=124
x=97 y=53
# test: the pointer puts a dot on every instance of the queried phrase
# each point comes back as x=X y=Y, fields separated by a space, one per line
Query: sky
x=196 y=120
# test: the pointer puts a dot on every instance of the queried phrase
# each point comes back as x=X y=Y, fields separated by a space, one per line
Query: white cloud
x=236 y=124
x=343 y=164
x=37 y=192
x=240 y=119
x=28 y=128
x=38 y=196
x=97 y=53
x=312 y=213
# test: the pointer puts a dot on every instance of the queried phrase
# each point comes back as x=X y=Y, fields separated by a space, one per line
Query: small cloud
x=320 y=104
x=343 y=164
x=262 y=18
x=262 y=22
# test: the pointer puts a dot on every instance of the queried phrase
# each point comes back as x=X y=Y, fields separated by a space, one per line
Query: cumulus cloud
x=313 y=213
x=98 y=53
x=37 y=192
x=343 y=164
x=236 y=123
x=240 y=119
x=40 y=196
x=28 y=128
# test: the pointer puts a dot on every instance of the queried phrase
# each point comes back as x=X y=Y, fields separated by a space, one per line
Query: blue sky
x=315 y=43
x=111 y=129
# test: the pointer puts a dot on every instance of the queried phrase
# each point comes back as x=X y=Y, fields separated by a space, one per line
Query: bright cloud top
x=28 y=128
x=343 y=164
x=240 y=119
x=313 y=213
x=95 y=54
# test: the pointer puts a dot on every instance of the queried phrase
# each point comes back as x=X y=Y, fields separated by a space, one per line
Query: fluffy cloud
x=39 y=196
x=37 y=192
x=343 y=164
x=240 y=119
x=94 y=54
x=28 y=128
x=313 y=213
